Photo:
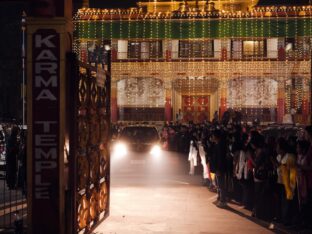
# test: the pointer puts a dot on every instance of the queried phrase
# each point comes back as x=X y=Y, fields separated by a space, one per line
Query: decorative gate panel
x=195 y=108
x=90 y=140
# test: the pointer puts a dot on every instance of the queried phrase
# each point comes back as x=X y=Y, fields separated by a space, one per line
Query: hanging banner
x=45 y=132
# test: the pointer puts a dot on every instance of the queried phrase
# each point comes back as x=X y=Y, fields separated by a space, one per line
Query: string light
x=236 y=71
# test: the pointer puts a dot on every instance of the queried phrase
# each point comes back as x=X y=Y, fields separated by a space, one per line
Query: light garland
x=232 y=25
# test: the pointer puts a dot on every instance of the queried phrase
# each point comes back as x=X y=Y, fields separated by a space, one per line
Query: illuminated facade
x=202 y=57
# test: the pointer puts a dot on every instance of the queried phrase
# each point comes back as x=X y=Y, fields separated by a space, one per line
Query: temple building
x=202 y=57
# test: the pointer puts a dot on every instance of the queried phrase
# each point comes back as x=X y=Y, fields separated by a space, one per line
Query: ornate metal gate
x=89 y=146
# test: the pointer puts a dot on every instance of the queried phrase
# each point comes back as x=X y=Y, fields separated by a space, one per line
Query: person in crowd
x=249 y=182
x=165 y=138
x=215 y=119
x=193 y=156
x=302 y=149
x=287 y=174
x=270 y=172
x=179 y=116
x=260 y=174
x=171 y=138
x=292 y=144
x=202 y=155
x=22 y=163
x=11 y=158
x=240 y=170
x=2 y=141
x=307 y=170
x=218 y=166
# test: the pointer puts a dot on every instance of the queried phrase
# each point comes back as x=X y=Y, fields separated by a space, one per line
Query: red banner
x=188 y=100
x=45 y=132
x=202 y=100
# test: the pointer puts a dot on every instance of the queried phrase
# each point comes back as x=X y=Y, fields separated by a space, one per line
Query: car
x=142 y=139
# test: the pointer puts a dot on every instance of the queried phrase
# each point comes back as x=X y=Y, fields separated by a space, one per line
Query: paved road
x=157 y=196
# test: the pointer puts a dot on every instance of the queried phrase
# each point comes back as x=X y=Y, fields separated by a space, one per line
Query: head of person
x=308 y=133
x=282 y=146
x=257 y=141
x=217 y=135
x=14 y=131
x=292 y=143
x=271 y=141
x=302 y=147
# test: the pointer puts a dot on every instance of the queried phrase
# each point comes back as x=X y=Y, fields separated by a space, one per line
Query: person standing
x=307 y=170
x=193 y=157
x=202 y=155
x=287 y=174
x=11 y=158
x=218 y=166
x=179 y=116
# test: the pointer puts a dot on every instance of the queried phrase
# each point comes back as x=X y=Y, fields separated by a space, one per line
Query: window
x=144 y=49
x=134 y=49
x=272 y=48
x=196 y=49
x=155 y=49
x=302 y=47
x=184 y=49
x=237 y=49
x=254 y=48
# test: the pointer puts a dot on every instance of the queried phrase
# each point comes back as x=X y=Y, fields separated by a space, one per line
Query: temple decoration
x=239 y=54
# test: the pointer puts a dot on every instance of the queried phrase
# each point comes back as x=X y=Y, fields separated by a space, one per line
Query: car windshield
x=145 y=134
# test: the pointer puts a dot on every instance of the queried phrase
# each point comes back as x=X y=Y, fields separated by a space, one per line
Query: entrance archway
x=195 y=97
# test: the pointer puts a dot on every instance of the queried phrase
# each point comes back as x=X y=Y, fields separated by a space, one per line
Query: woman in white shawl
x=202 y=155
x=192 y=157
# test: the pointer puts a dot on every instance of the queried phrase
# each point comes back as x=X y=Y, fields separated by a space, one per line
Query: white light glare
x=156 y=151
x=120 y=149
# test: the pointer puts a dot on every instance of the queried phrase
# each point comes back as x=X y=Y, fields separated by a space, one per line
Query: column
x=223 y=98
x=280 y=101
x=114 y=107
x=49 y=38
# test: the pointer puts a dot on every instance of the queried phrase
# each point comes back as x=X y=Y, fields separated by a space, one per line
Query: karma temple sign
x=45 y=127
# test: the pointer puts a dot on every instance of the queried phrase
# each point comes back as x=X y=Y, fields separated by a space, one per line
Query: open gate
x=89 y=125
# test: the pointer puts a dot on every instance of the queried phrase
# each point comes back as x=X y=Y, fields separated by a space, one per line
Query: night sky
x=112 y=3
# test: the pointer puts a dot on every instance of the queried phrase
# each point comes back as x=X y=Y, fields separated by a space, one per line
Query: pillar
x=49 y=37
x=114 y=107
x=223 y=98
x=168 y=101
x=280 y=101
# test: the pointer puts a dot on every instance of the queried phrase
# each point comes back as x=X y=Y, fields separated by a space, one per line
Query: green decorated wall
x=194 y=28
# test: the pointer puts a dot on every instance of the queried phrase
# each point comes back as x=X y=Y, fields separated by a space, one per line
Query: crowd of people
x=267 y=172
x=13 y=153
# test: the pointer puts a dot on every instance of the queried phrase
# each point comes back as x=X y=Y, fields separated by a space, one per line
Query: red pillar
x=114 y=108
x=280 y=109
x=222 y=106
x=168 y=110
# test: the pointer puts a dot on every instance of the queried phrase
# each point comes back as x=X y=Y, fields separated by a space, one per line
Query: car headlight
x=156 y=150
x=120 y=149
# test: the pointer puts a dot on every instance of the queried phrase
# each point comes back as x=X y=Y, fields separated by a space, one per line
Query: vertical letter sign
x=45 y=137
